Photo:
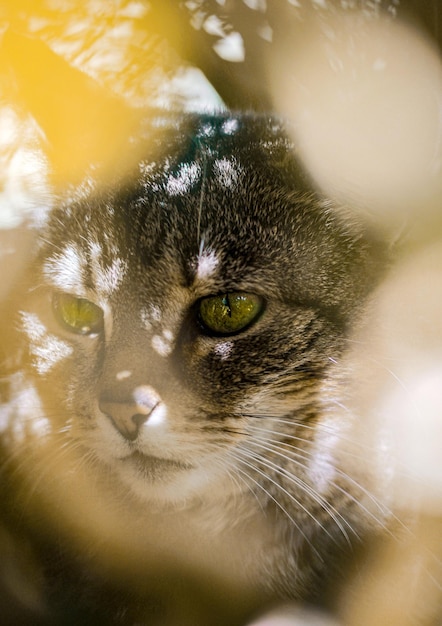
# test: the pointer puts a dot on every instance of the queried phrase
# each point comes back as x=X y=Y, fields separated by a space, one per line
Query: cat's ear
x=82 y=122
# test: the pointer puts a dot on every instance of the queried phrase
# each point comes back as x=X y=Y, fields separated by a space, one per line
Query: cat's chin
x=167 y=482
x=152 y=469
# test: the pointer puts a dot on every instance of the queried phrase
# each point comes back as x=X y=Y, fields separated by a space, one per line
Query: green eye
x=229 y=313
x=78 y=315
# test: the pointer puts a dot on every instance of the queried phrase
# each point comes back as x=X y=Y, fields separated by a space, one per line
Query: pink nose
x=128 y=417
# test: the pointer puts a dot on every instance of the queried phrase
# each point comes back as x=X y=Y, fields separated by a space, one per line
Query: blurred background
x=345 y=72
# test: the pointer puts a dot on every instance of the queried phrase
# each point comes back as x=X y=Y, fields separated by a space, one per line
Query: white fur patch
x=230 y=126
x=155 y=313
x=123 y=375
x=183 y=181
x=224 y=349
x=23 y=416
x=161 y=345
x=158 y=416
x=206 y=130
x=66 y=270
x=46 y=348
x=227 y=172
x=151 y=315
x=206 y=265
x=322 y=470
x=145 y=319
x=107 y=278
x=146 y=396
x=147 y=168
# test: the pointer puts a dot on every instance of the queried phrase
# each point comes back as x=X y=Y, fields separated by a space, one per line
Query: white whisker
x=316 y=497
x=278 y=504
x=306 y=455
x=306 y=489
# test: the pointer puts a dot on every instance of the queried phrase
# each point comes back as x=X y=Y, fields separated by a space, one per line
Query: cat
x=172 y=381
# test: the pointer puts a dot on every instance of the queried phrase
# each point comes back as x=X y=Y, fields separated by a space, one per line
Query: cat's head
x=180 y=323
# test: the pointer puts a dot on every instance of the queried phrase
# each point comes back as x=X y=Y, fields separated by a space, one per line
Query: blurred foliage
x=189 y=54
x=134 y=46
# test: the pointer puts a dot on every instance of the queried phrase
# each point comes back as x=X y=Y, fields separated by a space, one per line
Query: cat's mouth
x=153 y=467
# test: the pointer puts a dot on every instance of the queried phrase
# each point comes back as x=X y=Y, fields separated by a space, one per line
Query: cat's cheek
x=220 y=370
x=169 y=484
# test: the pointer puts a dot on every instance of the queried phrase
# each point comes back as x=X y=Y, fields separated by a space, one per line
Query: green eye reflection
x=78 y=315
x=230 y=313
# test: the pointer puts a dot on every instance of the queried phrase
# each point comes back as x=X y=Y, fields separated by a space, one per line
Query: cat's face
x=181 y=323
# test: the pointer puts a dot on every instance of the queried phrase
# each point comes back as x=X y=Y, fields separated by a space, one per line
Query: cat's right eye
x=229 y=313
x=77 y=315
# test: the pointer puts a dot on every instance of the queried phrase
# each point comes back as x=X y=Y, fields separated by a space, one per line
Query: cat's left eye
x=77 y=315
x=229 y=313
